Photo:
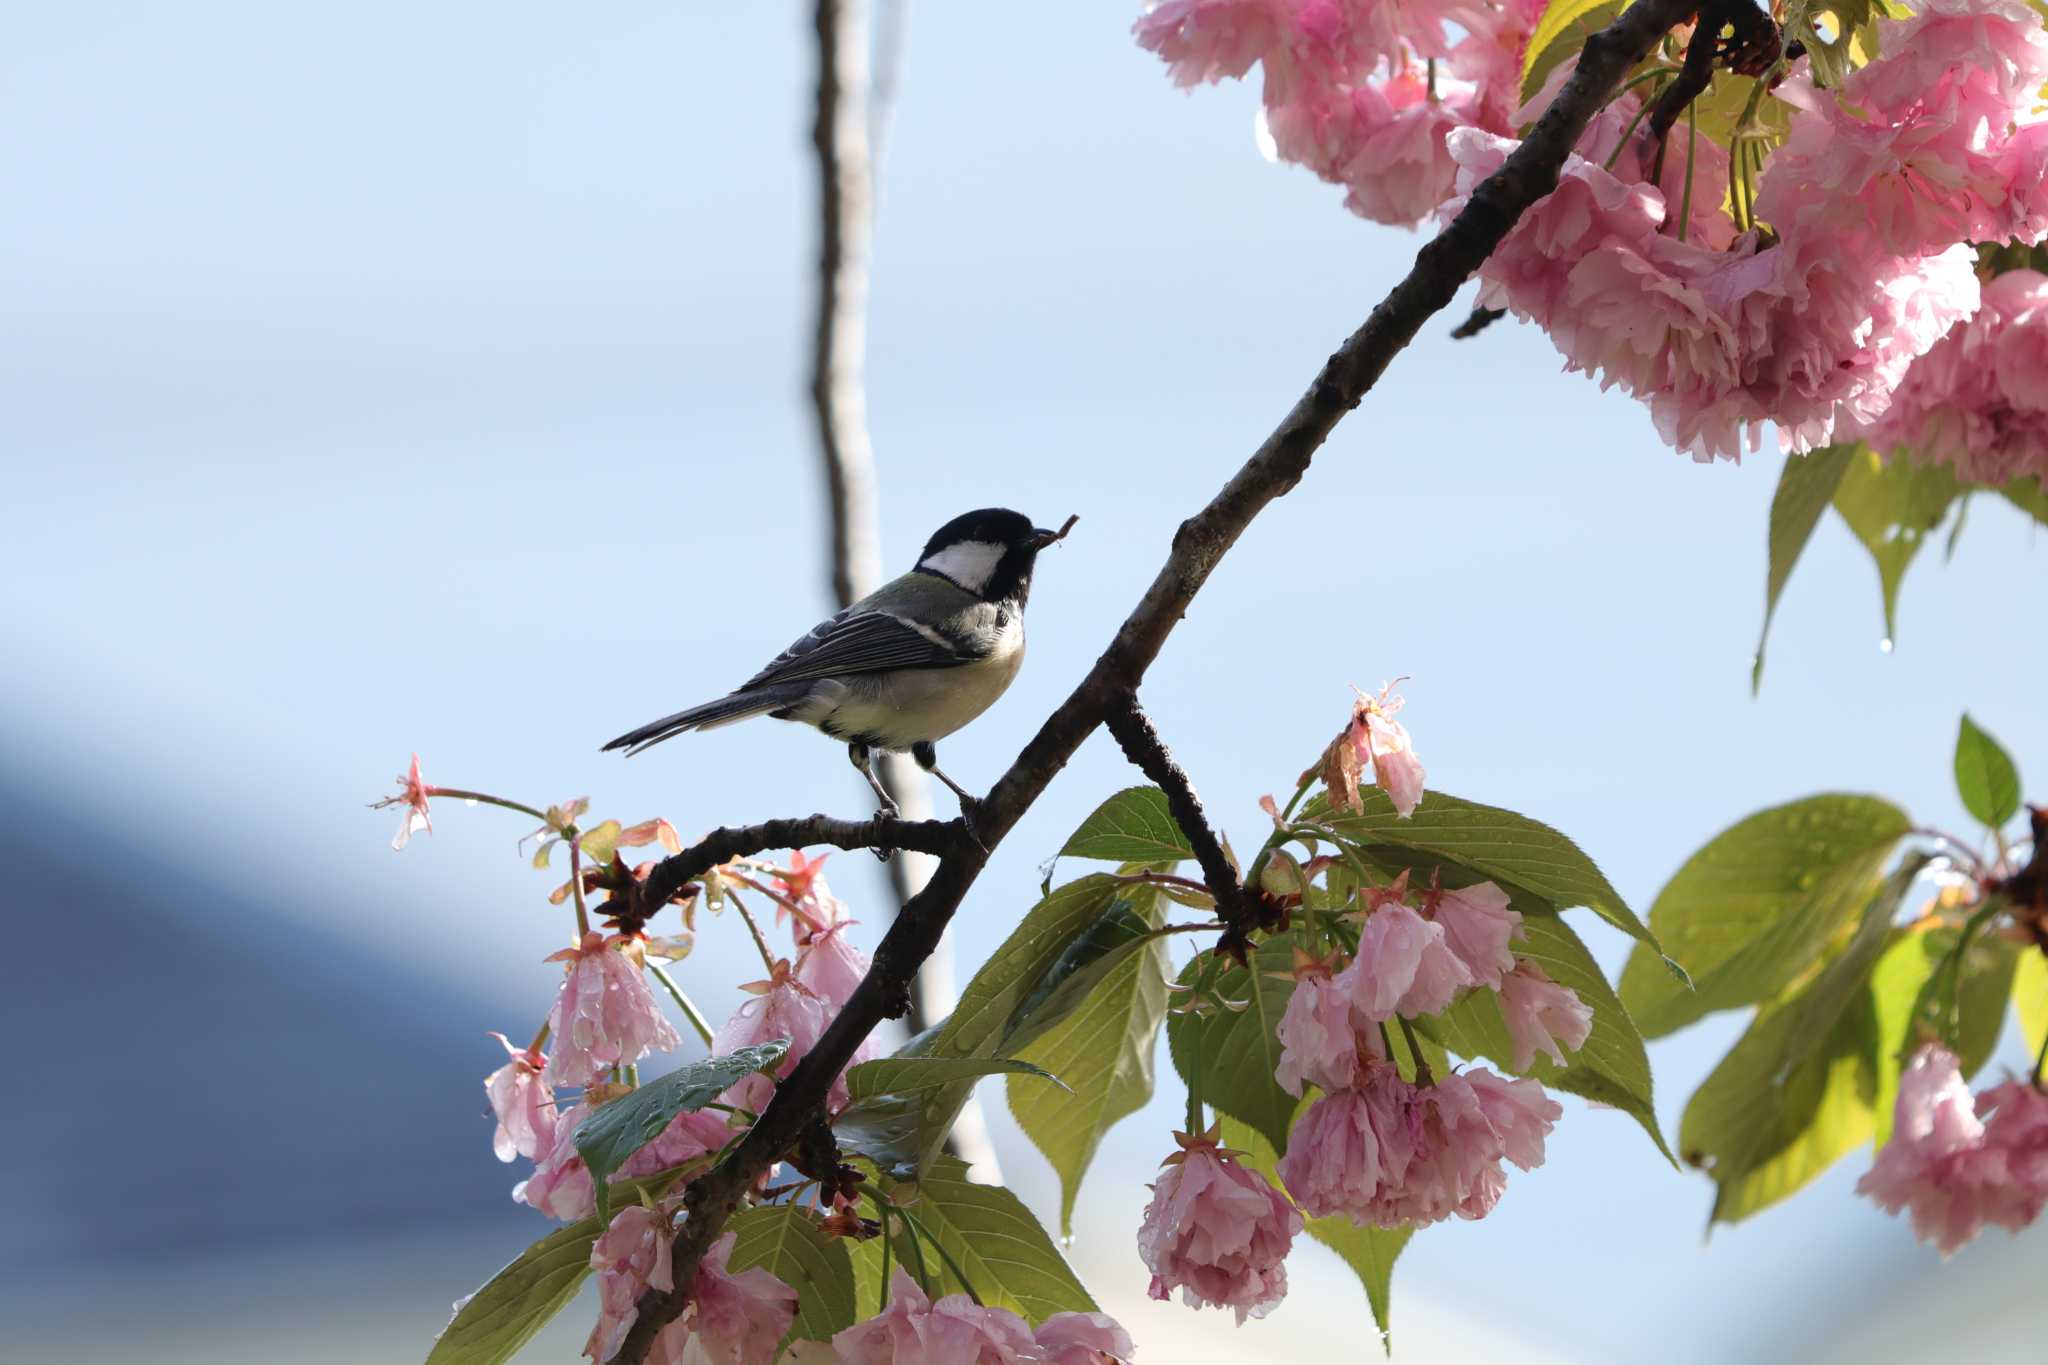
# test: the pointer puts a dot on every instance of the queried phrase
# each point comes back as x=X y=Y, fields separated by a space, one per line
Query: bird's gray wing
x=862 y=640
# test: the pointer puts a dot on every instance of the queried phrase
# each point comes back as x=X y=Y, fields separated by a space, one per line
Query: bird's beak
x=1041 y=537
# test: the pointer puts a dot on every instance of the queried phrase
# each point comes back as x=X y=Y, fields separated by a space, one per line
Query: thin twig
x=722 y=845
x=1441 y=267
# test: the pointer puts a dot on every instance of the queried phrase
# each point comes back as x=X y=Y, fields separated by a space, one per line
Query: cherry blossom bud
x=1322 y=1034
x=731 y=1319
x=523 y=1102
x=630 y=1256
x=1404 y=966
x=913 y=1330
x=1542 y=1016
x=1083 y=1339
x=1478 y=925
x=605 y=1016
x=1217 y=1232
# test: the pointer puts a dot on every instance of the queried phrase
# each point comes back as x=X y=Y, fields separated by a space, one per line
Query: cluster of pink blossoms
x=1811 y=326
x=913 y=1330
x=1375 y=1148
x=731 y=1319
x=1960 y=1164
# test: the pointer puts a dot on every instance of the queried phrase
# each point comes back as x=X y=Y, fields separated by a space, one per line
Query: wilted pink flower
x=1478 y=924
x=523 y=1102
x=1378 y=738
x=1217 y=1232
x=1978 y=401
x=1463 y=1126
x=1322 y=1033
x=913 y=1330
x=413 y=792
x=1404 y=966
x=1350 y=1147
x=830 y=966
x=780 y=1007
x=731 y=1319
x=1083 y=1339
x=1542 y=1016
x=629 y=1256
x=1959 y=1165
x=605 y=1016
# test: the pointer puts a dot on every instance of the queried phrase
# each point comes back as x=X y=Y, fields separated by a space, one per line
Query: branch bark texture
x=1441 y=266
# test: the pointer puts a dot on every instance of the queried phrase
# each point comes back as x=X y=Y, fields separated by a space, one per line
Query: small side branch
x=1140 y=741
x=936 y=837
x=1479 y=321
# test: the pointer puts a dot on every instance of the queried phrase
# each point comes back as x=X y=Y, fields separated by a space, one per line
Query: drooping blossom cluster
x=731 y=1319
x=1958 y=1164
x=914 y=1330
x=605 y=1015
x=1217 y=1231
x=1389 y=1152
x=1807 y=313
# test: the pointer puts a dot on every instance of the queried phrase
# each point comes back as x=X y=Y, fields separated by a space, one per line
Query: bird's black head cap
x=989 y=552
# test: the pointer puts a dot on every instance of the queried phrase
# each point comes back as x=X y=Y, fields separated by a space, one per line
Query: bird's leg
x=859 y=754
x=926 y=755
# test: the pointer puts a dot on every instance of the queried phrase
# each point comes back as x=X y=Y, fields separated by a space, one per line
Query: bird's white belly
x=914 y=706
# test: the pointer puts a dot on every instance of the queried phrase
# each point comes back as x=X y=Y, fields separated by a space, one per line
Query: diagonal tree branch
x=1441 y=266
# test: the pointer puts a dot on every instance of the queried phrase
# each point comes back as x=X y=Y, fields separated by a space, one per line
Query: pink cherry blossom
x=605 y=1015
x=732 y=1319
x=1350 y=1147
x=1217 y=1232
x=560 y=1185
x=631 y=1255
x=1542 y=1016
x=802 y=885
x=1463 y=1127
x=1993 y=48
x=913 y=1330
x=1478 y=924
x=1490 y=56
x=780 y=1007
x=523 y=1102
x=1978 y=401
x=1083 y=1339
x=1926 y=1166
x=1383 y=141
x=1322 y=1034
x=1404 y=966
x=413 y=792
x=1377 y=738
x=2015 y=1118
x=1305 y=47
x=830 y=966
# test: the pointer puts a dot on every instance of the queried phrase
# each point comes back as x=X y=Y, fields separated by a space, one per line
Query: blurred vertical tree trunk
x=841 y=132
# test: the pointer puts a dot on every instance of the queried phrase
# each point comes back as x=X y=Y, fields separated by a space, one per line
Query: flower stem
x=1202 y=985
x=683 y=1003
x=576 y=885
x=760 y=941
x=1692 y=146
x=2040 y=1059
x=540 y=1037
x=944 y=1255
x=482 y=798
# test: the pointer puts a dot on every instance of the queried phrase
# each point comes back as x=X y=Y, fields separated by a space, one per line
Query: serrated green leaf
x=607 y=1139
x=493 y=1323
x=1909 y=963
x=1239 y=1049
x=787 y=1241
x=1985 y=776
x=1103 y=1050
x=1134 y=826
x=992 y=1237
x=1798 y=1089
x=1370 y=1252
x=1560 y=33
x=1893 y=507
x=1753 y=908
x=1806 y=485
x=1611 y=1067
x=907 y=1075
x=1492 y=842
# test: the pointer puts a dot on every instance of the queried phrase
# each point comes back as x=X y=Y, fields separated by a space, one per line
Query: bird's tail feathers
x=712 y=714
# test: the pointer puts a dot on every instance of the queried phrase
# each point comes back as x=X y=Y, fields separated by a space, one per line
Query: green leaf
x=992 y=1237
x=1847 y=20
x=901 y=1133
x=1798 y=1089
x=1492 y=842
x=1909 y=963
x=1893 y=507
x=598 y=844
x=1806 y=485
x=1561 y=33
x=2027 y=495
x=2030 y=999
x=607 y=1139
x=1134 y=826
x=1369 y=1251
x=1239 y=1049
x=1103 y=1049
x=786 y=1239
x=1611 y=1067
x=1985 y=776
x=493 y=1323
x=1756 y=905
x=907 y=1075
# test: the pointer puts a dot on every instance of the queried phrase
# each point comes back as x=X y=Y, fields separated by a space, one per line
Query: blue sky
x=379 y=378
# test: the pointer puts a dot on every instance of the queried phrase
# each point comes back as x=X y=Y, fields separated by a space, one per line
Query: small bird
x=908 y=664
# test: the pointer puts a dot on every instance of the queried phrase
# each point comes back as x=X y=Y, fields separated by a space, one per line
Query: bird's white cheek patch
x=971 y=563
